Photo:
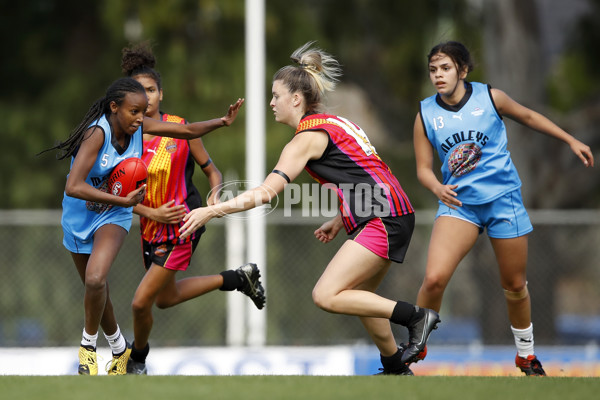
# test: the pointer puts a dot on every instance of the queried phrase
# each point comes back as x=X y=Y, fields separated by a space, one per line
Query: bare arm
x=302 y=148
x=168 y=213
x=214 y=176
x=76 y=185
x=424 y=156
x=192 y=130
x=534 y=120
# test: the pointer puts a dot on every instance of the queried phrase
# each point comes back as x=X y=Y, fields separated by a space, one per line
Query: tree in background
x=62 y=52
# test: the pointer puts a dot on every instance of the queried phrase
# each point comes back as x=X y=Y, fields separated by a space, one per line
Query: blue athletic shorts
x=76 y=245
x=504 y=218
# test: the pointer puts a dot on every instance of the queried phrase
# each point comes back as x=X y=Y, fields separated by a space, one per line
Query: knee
x=140 y=306
x=322 y=300
x=514 y=283
x=434 y=284
x=162 y=304
x=95 y=282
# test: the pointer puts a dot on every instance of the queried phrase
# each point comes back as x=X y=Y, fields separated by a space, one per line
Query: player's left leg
x=336 y=290
x=340 y=290
x=155 y=279
x=245 y=279
x=512 y=261
x=379 y=329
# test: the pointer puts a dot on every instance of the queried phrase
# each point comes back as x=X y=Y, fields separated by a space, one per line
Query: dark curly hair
x=139 y=60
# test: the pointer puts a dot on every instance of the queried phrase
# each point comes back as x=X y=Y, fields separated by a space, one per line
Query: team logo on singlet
x=99 y=207
x=477 y=112
x=464 y=159
x=171 y=146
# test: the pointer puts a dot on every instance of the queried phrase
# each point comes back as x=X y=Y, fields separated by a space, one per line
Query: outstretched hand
x=584 y=152
x=195 y=219
x=232 y=112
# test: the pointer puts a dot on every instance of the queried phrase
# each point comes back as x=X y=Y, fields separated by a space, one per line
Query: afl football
x=128 y=175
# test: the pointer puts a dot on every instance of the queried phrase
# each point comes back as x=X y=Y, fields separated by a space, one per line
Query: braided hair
x=116 y=92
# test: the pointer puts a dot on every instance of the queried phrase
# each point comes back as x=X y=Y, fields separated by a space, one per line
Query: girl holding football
x=95 y=222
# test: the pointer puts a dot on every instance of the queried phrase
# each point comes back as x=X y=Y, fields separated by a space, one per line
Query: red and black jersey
x=350 y=165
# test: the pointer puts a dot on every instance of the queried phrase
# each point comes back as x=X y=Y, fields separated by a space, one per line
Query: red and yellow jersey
x=170 y=170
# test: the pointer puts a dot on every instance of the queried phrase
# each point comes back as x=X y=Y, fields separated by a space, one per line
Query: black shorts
x=388 y=237
x=174 y=256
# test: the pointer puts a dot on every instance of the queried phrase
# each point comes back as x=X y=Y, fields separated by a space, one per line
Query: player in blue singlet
x=480 y=188
x=95 y=222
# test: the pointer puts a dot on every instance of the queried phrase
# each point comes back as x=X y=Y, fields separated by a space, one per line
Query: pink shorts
x=171 y=256
x=387 y=237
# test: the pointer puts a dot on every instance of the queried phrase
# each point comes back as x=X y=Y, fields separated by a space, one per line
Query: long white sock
x=524 y=340
x=89 y=340
x=116 y=341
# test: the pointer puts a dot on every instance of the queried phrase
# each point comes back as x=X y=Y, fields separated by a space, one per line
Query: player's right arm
x=303 y=147
x=424 y=156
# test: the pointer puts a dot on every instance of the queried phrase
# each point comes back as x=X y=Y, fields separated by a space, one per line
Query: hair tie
x=307 y=67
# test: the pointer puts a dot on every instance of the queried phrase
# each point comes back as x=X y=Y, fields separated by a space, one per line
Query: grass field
x=295 y=387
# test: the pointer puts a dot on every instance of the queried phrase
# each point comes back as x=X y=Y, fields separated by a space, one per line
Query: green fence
x=41 y=296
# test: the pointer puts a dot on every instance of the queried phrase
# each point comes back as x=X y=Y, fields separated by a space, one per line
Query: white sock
x=116 y=341
x=524 y=341
x=89 y=340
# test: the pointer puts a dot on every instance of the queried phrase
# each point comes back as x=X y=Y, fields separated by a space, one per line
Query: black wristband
x=281 y=173
x=206 y=164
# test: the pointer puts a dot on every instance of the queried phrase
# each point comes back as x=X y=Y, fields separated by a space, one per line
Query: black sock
x=139 y=355
x=405 y=313
x=231 y=280
x=417 y=315
x=393 y=362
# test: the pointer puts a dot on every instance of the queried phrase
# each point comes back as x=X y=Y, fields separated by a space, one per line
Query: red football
x=128 y=175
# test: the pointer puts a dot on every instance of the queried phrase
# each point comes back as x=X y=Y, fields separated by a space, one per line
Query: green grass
x=295 y=387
